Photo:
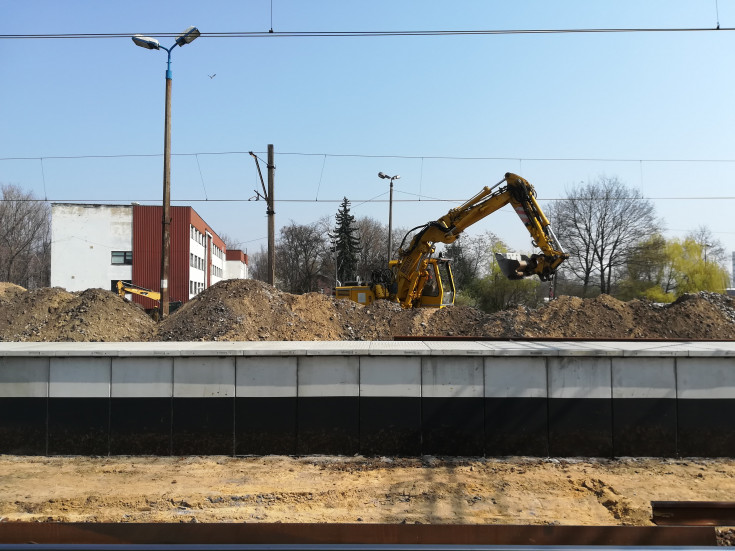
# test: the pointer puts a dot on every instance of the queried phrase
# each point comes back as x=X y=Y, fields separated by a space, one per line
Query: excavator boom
x=418 y=279
x=521 y=195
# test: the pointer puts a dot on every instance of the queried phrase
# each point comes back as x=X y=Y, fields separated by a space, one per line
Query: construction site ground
x=250 y=310
x=567 y=491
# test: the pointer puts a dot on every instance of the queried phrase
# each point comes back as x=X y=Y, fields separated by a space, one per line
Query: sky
x=82 y=119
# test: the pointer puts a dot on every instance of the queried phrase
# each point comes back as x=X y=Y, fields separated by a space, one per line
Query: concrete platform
x=493 y=398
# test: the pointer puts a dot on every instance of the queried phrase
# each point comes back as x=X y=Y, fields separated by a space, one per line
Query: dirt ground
x=354 y=489
x=249 y=310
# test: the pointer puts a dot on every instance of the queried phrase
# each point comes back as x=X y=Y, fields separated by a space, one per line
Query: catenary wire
x=367 y=34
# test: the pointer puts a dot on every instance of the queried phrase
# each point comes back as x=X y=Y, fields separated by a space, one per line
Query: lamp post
x=188 y=36
x=390 y=210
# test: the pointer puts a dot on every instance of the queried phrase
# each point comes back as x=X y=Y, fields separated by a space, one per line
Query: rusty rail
x=693 y=513
x=350 y=534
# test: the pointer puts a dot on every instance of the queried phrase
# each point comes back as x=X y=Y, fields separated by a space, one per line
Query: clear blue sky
x=628 y=100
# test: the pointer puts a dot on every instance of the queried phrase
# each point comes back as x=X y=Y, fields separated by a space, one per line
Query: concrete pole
x=271 y=219
x=166 y=221
x=390 y=221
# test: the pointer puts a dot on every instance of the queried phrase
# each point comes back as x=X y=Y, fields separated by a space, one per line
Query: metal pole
x=166 y=218
x=271 y=220
x=390 y=221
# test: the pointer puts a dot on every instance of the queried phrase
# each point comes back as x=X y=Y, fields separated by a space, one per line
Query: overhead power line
x=377 y=156
x=356 y=202
x=365 y=34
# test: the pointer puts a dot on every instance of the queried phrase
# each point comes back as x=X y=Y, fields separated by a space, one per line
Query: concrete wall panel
x=80 y=377
x=321 y=376
x=142 y=377
x=24 y=377
x=266 y=377
x=390 y=376
x=706 y=378
x=515 y=377
x=204 y=377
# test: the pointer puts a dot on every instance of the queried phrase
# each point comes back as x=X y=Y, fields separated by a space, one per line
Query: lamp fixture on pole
x=390 y=211
x=187 y=37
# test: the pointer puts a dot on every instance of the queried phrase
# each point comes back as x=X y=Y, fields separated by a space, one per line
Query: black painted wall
x=370 y=426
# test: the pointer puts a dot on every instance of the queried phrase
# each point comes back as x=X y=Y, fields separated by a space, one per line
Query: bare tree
x=25 y=224
x=471 y=257
x=300 y=255
x=600 y=224
x=374 y=243
x=714 y=251
x=258 y=264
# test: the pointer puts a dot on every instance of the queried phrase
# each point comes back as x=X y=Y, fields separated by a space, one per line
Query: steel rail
x=375 y=535
x=693 y=513
x=545 y=339
x=345 y=547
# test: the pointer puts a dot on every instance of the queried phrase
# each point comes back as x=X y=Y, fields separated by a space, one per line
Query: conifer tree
x=345 y=242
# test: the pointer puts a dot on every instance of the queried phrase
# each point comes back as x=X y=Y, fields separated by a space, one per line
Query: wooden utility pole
x=271 y=219
x=270 y=211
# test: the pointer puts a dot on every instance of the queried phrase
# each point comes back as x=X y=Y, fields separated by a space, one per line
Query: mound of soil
x=250 y=310
x=55 y=315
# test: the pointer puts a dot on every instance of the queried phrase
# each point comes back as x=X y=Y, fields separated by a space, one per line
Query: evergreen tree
x=345 y=242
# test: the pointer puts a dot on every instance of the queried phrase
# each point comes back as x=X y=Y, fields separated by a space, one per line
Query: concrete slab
x=204 y=377
x=24 y=377
x=134 y=377
x=452 y=377
x=644 y=377
x=328 y=376
x=515 y=377
x=705 y=378
x=580 y=377
x=266 y=377
x=77 y=377
x=390 y=376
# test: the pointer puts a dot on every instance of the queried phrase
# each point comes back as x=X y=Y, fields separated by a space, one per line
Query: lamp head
x=146 y=42
x=188 y=36
x=381 y=175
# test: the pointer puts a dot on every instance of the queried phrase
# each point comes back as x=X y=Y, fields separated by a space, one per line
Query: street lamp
x=390 y=210
x=705 y=251
x=188 y=36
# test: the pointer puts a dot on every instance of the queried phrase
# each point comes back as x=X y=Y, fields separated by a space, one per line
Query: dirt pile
x=55 y=315
x=249 y=310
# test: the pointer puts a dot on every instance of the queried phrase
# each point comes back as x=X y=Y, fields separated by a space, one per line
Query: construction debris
x=250 y=310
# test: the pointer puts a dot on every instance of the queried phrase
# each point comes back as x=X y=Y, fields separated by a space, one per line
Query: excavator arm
x=411 y=273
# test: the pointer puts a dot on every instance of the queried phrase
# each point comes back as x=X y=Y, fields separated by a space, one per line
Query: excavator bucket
x=514 y=265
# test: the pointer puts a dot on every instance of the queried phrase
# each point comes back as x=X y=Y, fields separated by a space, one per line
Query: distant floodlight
x=146 y=42
x=188 y=36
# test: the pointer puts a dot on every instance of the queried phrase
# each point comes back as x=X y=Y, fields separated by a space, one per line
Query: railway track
x=334 y=537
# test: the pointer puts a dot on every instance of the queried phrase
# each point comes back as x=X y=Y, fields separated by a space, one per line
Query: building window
x=122 y=257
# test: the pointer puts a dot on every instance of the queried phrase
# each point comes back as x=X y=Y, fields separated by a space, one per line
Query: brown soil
x=249 y=310
x=355 y=489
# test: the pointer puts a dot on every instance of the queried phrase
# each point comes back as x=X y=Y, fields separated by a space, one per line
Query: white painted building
x=91 y=245
x=94 y=246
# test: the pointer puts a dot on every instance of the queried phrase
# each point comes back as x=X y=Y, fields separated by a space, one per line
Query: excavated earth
x=250 y=310
x=338 y=489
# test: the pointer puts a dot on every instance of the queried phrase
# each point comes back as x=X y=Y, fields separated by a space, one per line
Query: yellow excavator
x=123 y=288
x=417 y=279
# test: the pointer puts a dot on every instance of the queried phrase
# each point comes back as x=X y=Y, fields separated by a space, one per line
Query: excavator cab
x=438 y=290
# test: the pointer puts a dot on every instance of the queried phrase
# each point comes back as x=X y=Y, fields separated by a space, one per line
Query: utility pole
x=271 y=219
x=270 y=211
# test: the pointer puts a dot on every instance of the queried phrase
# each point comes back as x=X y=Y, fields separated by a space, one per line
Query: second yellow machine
x=418 y=279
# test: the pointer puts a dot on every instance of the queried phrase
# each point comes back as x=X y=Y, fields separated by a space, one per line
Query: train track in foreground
x=335 y=537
